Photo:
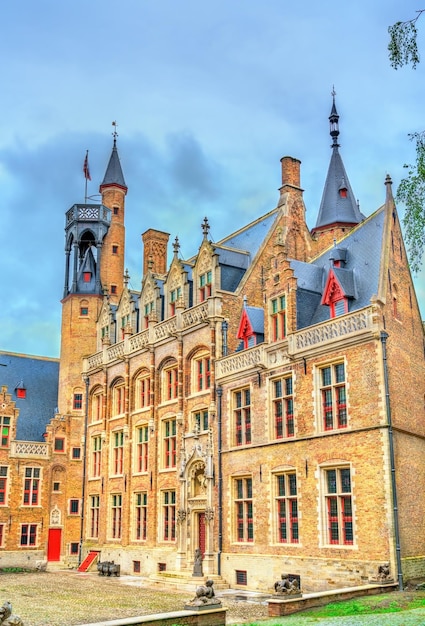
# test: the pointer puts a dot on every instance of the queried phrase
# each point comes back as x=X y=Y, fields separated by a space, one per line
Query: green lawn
x=394 y=602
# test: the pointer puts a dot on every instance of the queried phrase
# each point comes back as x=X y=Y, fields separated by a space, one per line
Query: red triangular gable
x=333 y=290
x=245 y=328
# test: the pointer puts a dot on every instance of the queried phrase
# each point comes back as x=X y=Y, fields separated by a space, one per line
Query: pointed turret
x=338 y=209
x=114 y=190
x=113 y=174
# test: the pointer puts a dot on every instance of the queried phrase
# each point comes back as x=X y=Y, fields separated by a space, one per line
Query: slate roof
x=256 y=317
x=40 y=378
x=359 y=277
x=113 y=174
x=337 y=208
x=251 y=236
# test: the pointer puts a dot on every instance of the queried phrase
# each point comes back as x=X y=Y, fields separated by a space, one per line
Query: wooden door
x=54 y=544
x=201 y=532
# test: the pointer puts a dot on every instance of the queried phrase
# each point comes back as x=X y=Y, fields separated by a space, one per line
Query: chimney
x=155 y=251
x=291 y=171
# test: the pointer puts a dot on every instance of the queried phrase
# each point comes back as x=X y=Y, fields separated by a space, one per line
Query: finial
x=126 y=277
x=205 y=227
x=115 y=134
x=245 y=301
x=333 y=120
x=176 y=246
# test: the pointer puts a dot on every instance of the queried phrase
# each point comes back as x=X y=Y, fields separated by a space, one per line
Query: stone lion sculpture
x=6 y=617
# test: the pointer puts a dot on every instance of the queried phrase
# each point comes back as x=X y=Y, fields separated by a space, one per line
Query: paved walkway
x=415 y=617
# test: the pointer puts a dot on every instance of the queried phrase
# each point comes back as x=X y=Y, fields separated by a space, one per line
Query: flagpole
x=85 y=176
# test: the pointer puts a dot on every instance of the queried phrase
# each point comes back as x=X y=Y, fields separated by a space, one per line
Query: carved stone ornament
x=55 y=517
x=209 y=514
x=181 y=515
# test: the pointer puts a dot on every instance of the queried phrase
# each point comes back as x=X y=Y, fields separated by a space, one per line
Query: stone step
x=185 y=581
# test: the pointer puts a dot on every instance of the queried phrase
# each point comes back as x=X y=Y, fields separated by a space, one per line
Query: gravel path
x=69 y=598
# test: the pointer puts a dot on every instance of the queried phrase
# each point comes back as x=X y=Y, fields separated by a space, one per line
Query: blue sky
x=208 y=97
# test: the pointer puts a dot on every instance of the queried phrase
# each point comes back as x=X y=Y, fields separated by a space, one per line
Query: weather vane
x=333 y=92
x=115 y=134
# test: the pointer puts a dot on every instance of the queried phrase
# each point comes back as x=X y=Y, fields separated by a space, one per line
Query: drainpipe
x=83 y=490
x=384 y=337
x=220 y=481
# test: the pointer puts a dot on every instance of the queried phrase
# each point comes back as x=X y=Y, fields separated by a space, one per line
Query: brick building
x=262 y=401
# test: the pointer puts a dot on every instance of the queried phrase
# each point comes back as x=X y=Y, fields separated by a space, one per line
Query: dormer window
x=278 y=318
x=87 y=277
x=149 y=307
x=175 y=294
x=251 y=327
x=205 y=288
x=334 y=296
x=20 y=390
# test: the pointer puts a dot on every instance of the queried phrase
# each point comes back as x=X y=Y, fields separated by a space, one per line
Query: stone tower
x=94 y=265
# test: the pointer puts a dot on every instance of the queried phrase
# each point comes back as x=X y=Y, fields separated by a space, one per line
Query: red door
x=54 y=544
x=201 y=532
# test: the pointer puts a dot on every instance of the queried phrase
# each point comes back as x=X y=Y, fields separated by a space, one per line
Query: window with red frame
x=118 y=395
x=3 y=484
x=116 y=517
x=77 y=404
x=74 y=507
x=287 y=508
x=96 y=455
x=59 y=444
x=118 y=452
x=142 y=449
x=283 y=407
x=169 y=515
x=2 y=530
x=96 y=407
x=28 y=535
x=175 y=294
x=203 y=374
x=278 y=318
x=141 y=521
x=94 y=516
x=338 y=506
x=86 y=277
x=205 y=287
x=244 y=510
x=242 y=416
x=170 y=442
x=334 y=397
x=21 y=393
x=5 y=430
x=125 y=321
x=171 y=383
x=143 y=389
x=148 y=309
x=113 y=289
x=31 y=486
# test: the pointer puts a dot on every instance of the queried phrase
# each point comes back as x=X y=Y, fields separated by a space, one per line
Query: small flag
x=86 y=169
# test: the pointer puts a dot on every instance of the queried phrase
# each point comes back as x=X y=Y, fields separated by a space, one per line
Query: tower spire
x=334 y=121
x=338 y=208
x=113 y=175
